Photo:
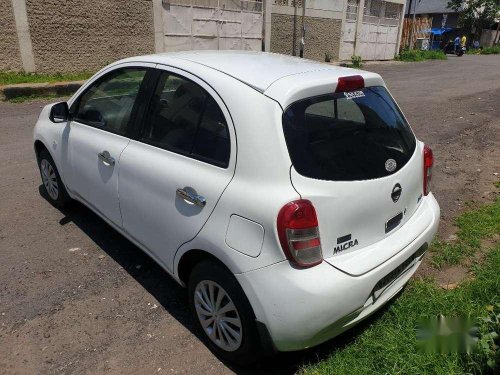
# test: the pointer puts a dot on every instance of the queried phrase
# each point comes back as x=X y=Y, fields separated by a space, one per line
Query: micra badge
x=344 y=243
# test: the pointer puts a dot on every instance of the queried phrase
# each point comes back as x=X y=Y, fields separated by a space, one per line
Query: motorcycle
x=450 y=49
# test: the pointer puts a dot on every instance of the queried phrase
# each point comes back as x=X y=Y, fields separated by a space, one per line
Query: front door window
x=109 y=102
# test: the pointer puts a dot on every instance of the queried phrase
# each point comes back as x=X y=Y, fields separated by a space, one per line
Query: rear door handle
x=106 y=158
x=196 y=199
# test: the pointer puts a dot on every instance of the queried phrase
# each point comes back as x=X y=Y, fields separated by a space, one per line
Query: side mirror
x=59 y=112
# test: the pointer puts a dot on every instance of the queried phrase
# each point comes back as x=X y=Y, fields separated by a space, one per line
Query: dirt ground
x=76 y=297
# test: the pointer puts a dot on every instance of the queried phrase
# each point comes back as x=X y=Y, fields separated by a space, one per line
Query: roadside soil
x=76 y=297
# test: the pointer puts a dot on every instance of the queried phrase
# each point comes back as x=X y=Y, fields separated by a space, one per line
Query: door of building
x=212 y=24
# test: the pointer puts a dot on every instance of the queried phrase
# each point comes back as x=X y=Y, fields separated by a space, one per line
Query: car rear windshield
x=348 y=136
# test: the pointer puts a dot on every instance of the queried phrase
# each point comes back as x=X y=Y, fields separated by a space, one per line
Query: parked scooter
x=450 y=49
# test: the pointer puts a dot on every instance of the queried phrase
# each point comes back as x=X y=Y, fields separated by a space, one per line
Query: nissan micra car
x=290 y=197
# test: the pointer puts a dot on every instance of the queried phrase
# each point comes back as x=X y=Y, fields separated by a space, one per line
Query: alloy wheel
x=49 y=179
x=218 y=315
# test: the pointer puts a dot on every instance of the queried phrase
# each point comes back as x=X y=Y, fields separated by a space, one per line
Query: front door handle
x=106 y=158
x=196 y=199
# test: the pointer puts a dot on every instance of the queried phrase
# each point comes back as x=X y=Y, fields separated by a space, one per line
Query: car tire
x=224 y=326
x=51 y=181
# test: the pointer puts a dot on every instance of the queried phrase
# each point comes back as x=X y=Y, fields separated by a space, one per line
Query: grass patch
x=10 y=78
x=446 y=254
x=389 y=345
x=418 y=55
x=495 y=50
x=473 y=226
x=473 y=51
x=28 y=98
x=479 y=224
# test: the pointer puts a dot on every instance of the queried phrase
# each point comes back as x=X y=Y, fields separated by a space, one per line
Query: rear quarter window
x=345 y=137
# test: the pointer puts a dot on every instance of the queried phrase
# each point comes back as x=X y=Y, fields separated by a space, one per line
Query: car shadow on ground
x=173 y=298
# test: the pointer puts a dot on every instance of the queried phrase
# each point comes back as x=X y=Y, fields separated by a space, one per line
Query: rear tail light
x=428 y=163
x=350 y=83
x=299 y=233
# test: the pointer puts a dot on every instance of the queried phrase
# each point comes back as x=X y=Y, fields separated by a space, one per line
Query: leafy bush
x=495 y=50
x=473 y=51
x=409 y=55
x=328 y=56
x=356 y=61
x=434 y=55
x=489 y=340
x=418 y=55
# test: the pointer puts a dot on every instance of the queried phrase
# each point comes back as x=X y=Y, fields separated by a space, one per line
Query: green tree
x=475 y=15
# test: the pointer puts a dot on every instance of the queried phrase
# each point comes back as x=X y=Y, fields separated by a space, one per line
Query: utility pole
x=409 y=9
x=303 y=36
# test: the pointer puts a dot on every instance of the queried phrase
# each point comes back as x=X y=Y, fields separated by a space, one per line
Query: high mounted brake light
x=299 y=233
x=428 y=163
x=350 y=83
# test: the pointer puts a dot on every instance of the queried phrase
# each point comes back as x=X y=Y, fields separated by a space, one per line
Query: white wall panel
x=212 y=25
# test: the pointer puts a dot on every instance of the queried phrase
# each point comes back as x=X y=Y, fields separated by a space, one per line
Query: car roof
x=256 y=69
x=283 y=78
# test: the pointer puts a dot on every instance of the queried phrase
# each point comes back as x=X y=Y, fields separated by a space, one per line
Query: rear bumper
x=302 y=308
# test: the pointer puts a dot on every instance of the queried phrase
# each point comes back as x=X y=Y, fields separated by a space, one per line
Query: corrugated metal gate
x=379 y=30
x=212 y=24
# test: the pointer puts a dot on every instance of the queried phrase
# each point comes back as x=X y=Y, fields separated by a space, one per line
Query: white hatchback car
x=290 y=197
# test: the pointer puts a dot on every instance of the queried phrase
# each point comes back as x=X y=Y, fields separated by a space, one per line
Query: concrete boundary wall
x=329 y=31
x=323 y=23
x=323 y=36
x=10 y=54
x=49 y=36
x=74 y=35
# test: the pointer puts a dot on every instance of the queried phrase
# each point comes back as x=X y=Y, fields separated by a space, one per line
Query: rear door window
x=185 y=119
x=347 y=136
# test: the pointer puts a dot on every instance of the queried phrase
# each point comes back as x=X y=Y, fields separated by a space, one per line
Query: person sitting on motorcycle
x=457 y=43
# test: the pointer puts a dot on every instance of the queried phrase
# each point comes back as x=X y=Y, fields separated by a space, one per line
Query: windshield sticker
x=354 y=94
